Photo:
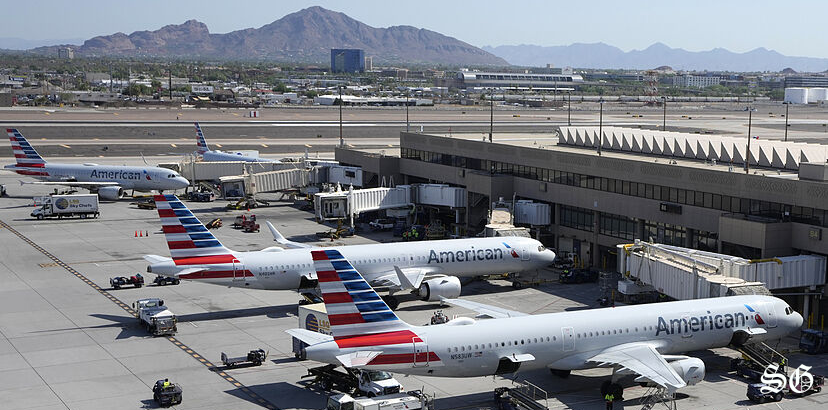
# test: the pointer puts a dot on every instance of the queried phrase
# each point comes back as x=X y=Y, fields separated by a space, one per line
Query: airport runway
x=74 y=132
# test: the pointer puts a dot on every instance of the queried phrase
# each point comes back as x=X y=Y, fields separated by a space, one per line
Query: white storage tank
x=796 y=95
x=816 y=95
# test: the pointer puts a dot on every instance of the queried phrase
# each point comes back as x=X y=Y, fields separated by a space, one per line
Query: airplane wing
x=76 y=184
x=280 y=239
x=402 y=278
x=483 y=310
x=309 y=337
x=643 y=359
x=358 y=358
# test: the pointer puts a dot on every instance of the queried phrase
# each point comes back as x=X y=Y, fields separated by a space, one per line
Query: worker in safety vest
x=609 y=397
x=166 y=384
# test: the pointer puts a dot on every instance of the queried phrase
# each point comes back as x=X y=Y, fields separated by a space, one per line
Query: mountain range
x=600 y=55
x=304 y=36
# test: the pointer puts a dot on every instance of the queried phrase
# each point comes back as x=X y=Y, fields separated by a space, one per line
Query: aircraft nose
x=797 y=320
x=183 y=182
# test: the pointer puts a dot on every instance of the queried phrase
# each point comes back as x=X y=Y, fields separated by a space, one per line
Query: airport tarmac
x=69 y=342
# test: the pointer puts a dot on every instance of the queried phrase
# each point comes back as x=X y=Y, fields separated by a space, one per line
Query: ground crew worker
x=166 y=383
x=609 y=398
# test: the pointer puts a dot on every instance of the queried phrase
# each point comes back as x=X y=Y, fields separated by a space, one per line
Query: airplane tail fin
x=24 y=153
x=190 y=242
x=357 y=315
x=201 y=142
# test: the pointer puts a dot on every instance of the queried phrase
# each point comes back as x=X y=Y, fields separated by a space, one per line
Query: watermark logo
x=799 y=382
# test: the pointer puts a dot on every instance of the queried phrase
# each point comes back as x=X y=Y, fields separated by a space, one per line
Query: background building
x=696 y=81
x=347 y=60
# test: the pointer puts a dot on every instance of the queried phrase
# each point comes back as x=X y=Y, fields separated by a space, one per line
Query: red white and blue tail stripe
x=191 y=243
x=200 y=141
x=358 y=316
x=28 y=161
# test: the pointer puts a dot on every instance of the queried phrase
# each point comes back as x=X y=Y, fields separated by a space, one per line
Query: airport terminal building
x=656 y=194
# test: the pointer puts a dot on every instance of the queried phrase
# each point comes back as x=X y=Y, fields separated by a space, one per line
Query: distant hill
x=600 y=55
x=304 y=36
x=15 y=43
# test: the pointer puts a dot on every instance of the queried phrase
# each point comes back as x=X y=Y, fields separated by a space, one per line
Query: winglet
x=405 y=282
x=280 y=239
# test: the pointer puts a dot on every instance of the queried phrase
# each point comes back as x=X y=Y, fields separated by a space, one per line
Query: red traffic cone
x=136 y=234
x=140 y=234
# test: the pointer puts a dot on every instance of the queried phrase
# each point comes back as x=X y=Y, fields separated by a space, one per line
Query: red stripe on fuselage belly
x=32 y=173
x=402 y=358
x=377 y=339
x=217 y=274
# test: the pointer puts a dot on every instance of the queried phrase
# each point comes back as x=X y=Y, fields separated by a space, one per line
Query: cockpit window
x=541 y=248
x=788 y=310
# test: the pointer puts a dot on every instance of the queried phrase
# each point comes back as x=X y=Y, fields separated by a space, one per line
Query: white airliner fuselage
x=128 y=177
x=566 y=341
x=277 y=268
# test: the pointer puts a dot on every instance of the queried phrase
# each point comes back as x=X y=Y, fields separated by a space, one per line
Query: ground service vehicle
x=359 y=382
x=250 y=224
x=156 y=317
x=201 y=196
x=168 y=395
x=80 y=205
x=119 y=281
x=578 y=276
x=214 y=224
x=165 y=280
x=144 y=204
x=754 y=393
x=254 y=357
x=381 y=224
x=312 y=317
x=413 y=400
x=813 y=341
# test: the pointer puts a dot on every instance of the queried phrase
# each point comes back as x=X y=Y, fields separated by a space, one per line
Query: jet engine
x=445 y=286
x=111 y=193
x=691 y=370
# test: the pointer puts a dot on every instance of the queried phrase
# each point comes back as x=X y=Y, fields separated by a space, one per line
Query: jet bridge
x=341 y=204
x=684 y=273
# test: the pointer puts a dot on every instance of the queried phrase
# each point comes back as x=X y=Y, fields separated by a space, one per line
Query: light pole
x=491 y=116
x=664 y=116
x=341 y=140
x=407 y=126
x=747 y=155
x=600 y=125
x=569 y=108
x=787 y=105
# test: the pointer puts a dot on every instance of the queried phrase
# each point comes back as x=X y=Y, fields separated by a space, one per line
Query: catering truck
x=77 y=205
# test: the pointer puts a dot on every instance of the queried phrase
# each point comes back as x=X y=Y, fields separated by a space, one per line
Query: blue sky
x=791 y=27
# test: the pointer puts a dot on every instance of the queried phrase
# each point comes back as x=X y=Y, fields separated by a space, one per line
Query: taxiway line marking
x=192 y=353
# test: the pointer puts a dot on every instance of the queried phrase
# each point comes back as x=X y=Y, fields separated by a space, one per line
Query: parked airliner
x=641 y=339
x=209 y=155
x=109 y=181
x=429 y=267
